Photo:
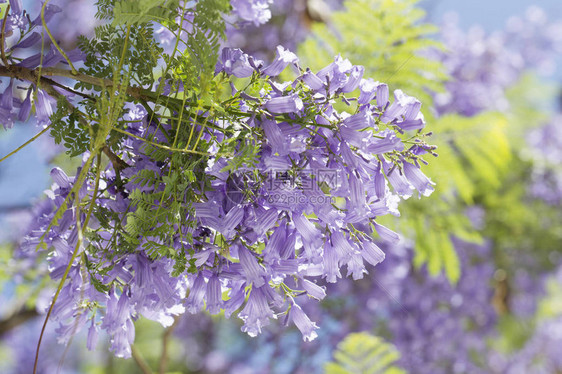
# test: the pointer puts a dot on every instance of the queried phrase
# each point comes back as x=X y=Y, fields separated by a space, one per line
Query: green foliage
x=389 y=41
x=204 y=35
x=131 y=12
x=67 y=129
x=361 y=353
x=105 y=50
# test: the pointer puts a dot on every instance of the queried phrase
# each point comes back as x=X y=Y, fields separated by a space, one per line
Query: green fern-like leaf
x=141 y=11
x=361 y=353
x=385 y=36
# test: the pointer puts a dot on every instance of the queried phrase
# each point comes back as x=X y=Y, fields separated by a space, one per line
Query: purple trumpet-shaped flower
x=341 y=245
x=257 y=313
x=92 y=339
x=283 y=58
x=43 y=108
x=357 y=200
x=356 y=267
x=307 y=230
x=252 y=269
x=359 y=121
x=237 y=297
x=50 y=11
x=274 y=246
x=284 y=104
x=403 y=105
x=418 y=179
x=6 y=106
x=194 y=301
x=16 y=18
x=234 y=62
x=7 y=100
x=387 y=234
x=275 y=137
x=313 y=81
x=214 y=295
x=16 y=6
x=380 y=183
x=331 y=263
x=371 y=252
x=382 y=96
x=231 y=220
x=335 y=74
x=389 y=143
x=413 y=119
x=25 y=108
x=303 y=323
x=30 y=41
x=370 y=89
x=314 y=290
x=401 y=185
x=355 y=77
x=51 y=58
x=60 y=178
x=265 y=220
x=356 y=138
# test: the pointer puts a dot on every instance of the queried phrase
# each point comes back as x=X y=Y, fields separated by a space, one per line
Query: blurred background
x=475 y=285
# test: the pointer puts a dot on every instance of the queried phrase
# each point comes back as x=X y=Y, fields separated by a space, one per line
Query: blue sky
x=490 y=14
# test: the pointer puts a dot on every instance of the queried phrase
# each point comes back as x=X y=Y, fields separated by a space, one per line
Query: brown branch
x=66 y=88
x=165 y=340
x=31 y=75
x=116 y=161
x=17 y=318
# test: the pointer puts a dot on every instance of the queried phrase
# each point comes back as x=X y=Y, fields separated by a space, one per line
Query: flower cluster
x=289 y=25
x=484 y=66
x=23 y=37
x=437 y=327
x=339 y=171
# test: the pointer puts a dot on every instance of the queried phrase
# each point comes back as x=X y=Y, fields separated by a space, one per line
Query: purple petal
x=303 y=323
x=372 y=253
x=252 y=269
x=284 y=104
x=283 y=58
x=387 y=234
x=418 y=179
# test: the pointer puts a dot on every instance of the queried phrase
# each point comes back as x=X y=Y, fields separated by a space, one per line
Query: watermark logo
x=282 y=187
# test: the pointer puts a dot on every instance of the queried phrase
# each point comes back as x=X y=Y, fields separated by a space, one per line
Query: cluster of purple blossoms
x=252 y=11
x=74 y=18
x=289 y=25
x=23 y=37
x=483 y=66
x=436 y=326
x=332 y=173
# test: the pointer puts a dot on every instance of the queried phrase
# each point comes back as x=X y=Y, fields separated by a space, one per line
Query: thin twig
x=171 y=149
x=66 y=88
x=140 y=361
x=53 y=38
x=27 y=142
x=116 y=161
x=165 y=340
x=79 y=181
